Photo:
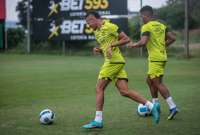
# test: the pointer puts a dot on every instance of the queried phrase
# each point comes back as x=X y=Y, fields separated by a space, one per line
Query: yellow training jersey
x=105 y=36
x=156 y=45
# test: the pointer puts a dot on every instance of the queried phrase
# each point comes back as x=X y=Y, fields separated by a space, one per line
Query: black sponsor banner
x=66 y=29
x=51 y=9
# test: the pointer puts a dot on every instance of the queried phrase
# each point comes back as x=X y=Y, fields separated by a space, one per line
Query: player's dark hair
x=148 y=9
x=93 y=13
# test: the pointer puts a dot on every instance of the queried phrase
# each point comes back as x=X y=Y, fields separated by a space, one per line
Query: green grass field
x=66 y=85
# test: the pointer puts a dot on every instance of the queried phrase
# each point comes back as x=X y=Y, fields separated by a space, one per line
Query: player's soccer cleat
x=172 y=113
x=156 y=112
x=93 y=124
x=159 y=107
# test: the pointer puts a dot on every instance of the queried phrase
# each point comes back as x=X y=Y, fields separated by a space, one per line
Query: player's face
x=92 y=21
x=144 y=18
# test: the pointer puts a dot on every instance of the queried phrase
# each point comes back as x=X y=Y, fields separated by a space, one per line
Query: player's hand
x=131 y=45
x=97 y=50
x=109 y=52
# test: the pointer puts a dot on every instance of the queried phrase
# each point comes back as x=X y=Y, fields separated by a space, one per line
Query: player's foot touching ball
x=156 y=112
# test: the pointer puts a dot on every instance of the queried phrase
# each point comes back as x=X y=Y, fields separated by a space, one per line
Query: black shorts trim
x=147 y=33
x=123 y=79
x=157 y=61
x=117 y=62
x=106 y=78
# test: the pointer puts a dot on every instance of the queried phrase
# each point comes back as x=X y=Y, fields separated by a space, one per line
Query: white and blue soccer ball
x=47 y=116
x=143 y=110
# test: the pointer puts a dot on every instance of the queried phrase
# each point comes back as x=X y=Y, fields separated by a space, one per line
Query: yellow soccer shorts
x=156 y=69
x=112 y=72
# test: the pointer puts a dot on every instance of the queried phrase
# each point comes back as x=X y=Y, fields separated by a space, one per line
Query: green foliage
x=71 y=48
x=173 y=13
x=134 y=25
x=49 y=47
x=175 y=19
x=15 y=37
x=22 y=9
x=194 y=11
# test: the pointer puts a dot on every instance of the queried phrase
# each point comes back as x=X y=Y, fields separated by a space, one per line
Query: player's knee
x=158 y=85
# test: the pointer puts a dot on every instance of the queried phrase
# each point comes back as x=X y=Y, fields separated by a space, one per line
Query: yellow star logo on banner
x=54 y=9
x=54 y=32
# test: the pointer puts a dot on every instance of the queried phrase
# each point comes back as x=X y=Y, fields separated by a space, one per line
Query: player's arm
x=97 y=50
x=122 y=40
x=143 y=41
x=170 y=38
x=145 y=35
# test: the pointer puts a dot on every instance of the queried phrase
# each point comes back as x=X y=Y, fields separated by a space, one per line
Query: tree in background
x=173 y=13
x=134 y=25
x=15 y=37
x=22 y=9
x=194 y=10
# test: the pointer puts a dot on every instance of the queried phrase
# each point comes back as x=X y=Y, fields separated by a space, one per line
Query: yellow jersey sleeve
x=145 y=31
x=112 y=29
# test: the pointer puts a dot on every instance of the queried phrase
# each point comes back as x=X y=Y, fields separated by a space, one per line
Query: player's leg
x=122 y=86
x=155 y=73
x=100 y=88
x=153 y=90
x=164 y=91
x=161 y=87
x=153 y=70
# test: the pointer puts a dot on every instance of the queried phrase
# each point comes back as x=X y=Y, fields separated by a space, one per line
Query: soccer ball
x=143 y=110
x=47 y=116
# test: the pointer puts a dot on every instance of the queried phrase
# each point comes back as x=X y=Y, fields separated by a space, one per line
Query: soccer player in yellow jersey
x=109 y=38
x=157 y=37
